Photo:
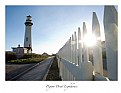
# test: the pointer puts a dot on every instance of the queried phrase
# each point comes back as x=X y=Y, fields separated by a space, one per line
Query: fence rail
x=76 y=61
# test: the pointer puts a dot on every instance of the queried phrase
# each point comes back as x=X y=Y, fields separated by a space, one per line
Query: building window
x=26 y=38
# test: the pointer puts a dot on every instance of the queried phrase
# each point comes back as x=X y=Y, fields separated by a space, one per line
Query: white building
x=27 y=40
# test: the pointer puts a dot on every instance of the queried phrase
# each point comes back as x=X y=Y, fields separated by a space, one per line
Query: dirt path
x=53 y=74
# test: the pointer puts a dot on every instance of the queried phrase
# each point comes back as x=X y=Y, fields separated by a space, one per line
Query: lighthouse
x=20 y=51
x=27 y=37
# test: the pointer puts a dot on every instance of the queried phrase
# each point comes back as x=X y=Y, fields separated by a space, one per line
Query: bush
x=10 y=56
x=29 y=60
x=36 y=55
x=104 y=54
x=27 y=55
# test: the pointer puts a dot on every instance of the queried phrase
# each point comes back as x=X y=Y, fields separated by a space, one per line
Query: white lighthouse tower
x=27 y=38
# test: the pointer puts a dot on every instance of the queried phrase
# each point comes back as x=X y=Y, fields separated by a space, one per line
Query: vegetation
x=104 y=54
x=27 y=58
x=10 y=56
x=53 y=74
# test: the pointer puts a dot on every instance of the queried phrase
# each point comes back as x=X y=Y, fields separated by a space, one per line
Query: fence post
x=85 y=48
x=69 y=47
x=69 y=53
x=111 y=32
x=66 y=51
x=73 y=56
x=97 y=49
x=75 y=49
x=79 y=47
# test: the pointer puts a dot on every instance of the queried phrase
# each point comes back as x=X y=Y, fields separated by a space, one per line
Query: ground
x=53 y=74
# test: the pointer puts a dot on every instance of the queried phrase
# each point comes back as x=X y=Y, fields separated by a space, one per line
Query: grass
x=53 y=74
x=28 y=60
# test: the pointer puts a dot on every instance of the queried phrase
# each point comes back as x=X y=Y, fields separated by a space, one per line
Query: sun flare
x=89 y=40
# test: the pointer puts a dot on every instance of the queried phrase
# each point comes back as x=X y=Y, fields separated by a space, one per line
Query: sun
x=89 y=40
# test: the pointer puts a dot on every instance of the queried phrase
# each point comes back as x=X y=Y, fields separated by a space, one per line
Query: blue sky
x=52 y=25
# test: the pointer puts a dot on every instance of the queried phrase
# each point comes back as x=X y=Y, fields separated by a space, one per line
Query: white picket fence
x=73 y=58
